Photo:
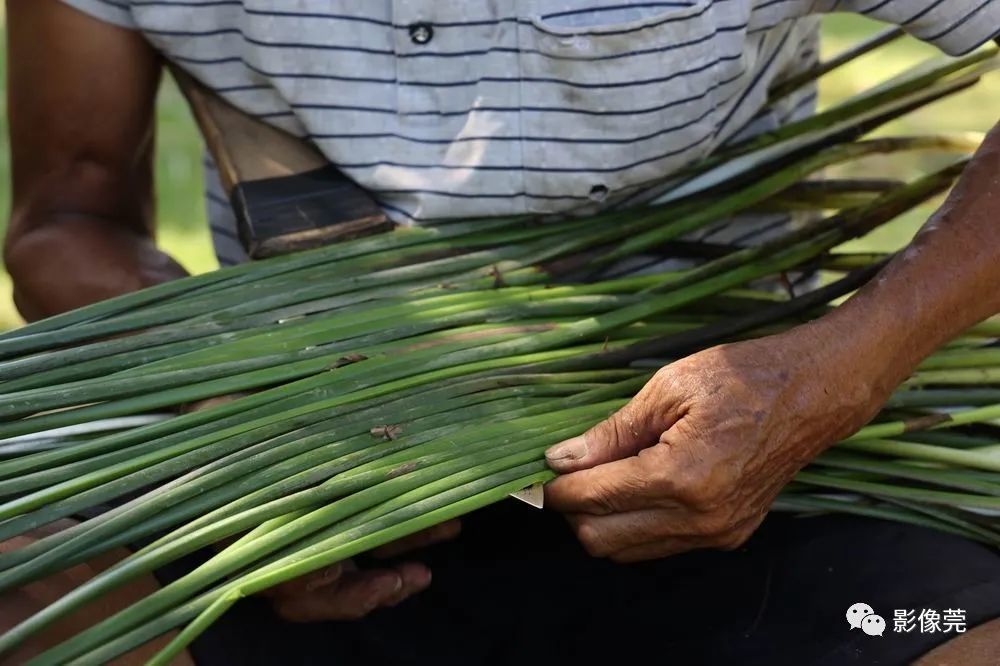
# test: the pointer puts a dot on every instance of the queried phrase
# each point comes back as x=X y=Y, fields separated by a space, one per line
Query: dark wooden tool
x=286 y=195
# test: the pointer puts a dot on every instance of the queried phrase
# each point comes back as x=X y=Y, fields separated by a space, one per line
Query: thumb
x=636 y=426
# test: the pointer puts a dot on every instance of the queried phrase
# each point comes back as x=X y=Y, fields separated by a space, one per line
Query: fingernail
x=571 y=449
x=424 y=578
x=324 y=578
x=397 y=583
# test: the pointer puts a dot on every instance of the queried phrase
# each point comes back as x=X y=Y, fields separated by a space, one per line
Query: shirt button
x=598 y=192
x=421 y=33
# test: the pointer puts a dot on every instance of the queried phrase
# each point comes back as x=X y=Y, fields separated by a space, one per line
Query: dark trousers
x=516 y=588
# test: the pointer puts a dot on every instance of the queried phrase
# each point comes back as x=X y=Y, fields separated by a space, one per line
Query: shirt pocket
x=622 y=94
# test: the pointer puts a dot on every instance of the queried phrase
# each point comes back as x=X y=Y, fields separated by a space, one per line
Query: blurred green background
x=183 y=229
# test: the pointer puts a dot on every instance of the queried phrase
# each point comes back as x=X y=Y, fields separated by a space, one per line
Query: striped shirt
x=465 y=108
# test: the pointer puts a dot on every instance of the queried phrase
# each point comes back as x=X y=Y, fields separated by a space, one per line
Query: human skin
x=82 y=226
x=698 y=456
x=82 y=230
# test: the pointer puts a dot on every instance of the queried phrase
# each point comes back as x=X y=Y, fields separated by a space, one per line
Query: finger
x=305 y=584
x=636 y=426
x=664 y=531
x=353 y=597
x=444 y=532
x=632 y=484
x=659 y=550
x=208 y=403
x=728 y=540
x=603 y=536
x=416 y=578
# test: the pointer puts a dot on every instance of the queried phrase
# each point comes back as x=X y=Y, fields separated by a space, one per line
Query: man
x=447 y=109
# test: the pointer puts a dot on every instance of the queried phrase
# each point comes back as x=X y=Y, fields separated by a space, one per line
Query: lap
x=18 y=604
x=516 y=587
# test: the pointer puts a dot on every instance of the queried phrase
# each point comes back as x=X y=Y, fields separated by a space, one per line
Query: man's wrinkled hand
x=344 y=592
x=697 y=457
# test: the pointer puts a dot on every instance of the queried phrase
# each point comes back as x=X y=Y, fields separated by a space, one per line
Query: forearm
x=81 y=227
x=945 y=281
x=81 y=230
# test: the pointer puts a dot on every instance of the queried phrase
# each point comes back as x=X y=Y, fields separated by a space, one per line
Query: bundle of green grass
x=390 y=383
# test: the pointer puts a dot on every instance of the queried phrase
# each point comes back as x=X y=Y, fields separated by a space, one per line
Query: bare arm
x=697 y=457
x=80 y=96
x=947 y=280
x=81 y=99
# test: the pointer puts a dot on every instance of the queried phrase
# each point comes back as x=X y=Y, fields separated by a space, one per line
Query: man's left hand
x=697 y=457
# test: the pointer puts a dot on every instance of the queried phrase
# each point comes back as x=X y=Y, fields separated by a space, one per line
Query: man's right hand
x=344 y=592
x=81 y=227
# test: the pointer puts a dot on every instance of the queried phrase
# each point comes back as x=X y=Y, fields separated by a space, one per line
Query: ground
x=183 y=230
